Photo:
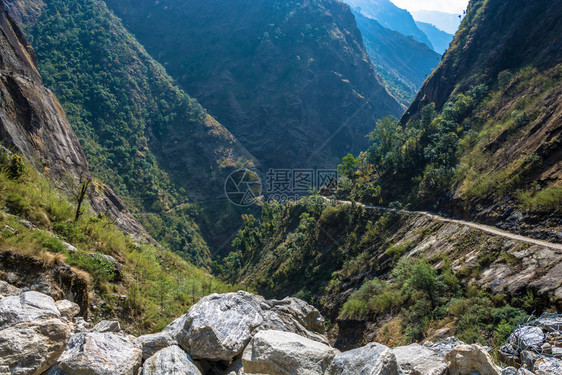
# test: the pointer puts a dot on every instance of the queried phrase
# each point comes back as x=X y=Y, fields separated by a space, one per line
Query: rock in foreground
x=416 y=359
x=372 y=359
x=170 y=361
x=282 y=353
x=219 y=327
x=32 y=335
x=469 y=359
x=100 y=354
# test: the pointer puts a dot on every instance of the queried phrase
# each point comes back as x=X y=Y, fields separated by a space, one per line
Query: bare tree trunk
x=81 y=195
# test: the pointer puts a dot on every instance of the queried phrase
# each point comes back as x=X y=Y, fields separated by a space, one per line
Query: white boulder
x=372 y=359
x=286 y=353
x=100 y=354
x=416 y=359
x=170 y=361
x=32 y=335
x=467 y=359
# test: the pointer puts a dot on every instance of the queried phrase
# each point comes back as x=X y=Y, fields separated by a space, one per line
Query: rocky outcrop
x=170 y=361
x=68 y=309
x=7 y=290
x=469 y=359
x=279 y=353
x=416 y=359
x=100 y=354
x=535 y=346
x=219 y=326
x=32 y=333
x=373 y=359
x=57 y=280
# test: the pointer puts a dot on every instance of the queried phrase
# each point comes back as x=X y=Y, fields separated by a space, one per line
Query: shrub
x=70 y=230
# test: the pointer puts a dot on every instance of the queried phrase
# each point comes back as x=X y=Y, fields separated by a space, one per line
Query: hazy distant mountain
x=391 y=17
x=402 y=62
x=439 y=38
x=448 y=22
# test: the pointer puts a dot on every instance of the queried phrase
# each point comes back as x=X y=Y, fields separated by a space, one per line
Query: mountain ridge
x=391 y=17
x=306 y=58
x=403 y=62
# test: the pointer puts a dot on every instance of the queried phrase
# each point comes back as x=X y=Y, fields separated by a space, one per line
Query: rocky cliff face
x=32 y=119
x=513 y=159
x=291 y=81
x=33 y=123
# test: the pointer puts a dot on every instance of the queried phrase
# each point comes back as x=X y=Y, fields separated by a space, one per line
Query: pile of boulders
x=535 y=347
x=230 y=334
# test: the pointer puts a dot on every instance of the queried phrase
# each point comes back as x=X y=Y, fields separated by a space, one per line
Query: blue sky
x=449 y=6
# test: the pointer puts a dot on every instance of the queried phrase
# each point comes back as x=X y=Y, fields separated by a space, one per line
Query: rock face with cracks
x=279 y=353
x=220 y=326
x=32 y=334
x=98 y=353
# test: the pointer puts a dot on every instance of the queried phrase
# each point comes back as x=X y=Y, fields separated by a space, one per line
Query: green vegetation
x=129 y=115
x=159 y=285
x=469 y=149
x=417 y=162
x=422 y=300
x=549 y=199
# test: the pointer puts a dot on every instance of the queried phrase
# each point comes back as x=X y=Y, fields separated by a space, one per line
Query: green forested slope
x=290 y=79
x=482 y=139
x=153 y=143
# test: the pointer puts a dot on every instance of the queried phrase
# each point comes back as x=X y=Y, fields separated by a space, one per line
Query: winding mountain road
x=482 y=227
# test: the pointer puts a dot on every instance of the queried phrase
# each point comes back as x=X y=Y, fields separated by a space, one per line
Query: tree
x=348 y=166
x=79 y=193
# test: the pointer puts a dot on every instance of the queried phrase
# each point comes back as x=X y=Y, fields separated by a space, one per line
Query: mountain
x=101 y=261
x=439 y=38
x=33 y=123
x=447 y=223
x=292 y=80
x=508 y=166
x=447 y=22
x=151 y=141
x=391 y=17
x=402 y=62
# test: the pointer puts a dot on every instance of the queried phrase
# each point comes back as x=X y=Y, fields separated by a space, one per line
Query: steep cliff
x=291 y=79
x=33 y=123
x=494 y=36
x=509 y=166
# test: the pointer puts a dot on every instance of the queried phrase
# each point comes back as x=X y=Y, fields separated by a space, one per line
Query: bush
x=355 y=309
x=17 y=204
x=70 y=230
